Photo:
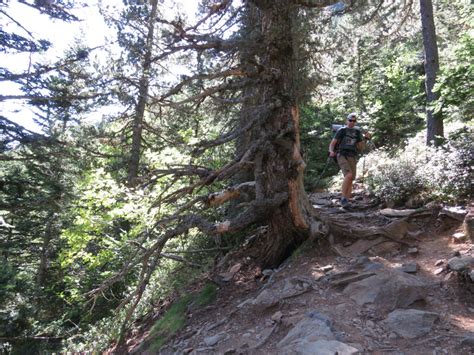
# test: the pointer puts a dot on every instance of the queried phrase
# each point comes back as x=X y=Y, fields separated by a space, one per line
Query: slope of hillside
x=408 y=290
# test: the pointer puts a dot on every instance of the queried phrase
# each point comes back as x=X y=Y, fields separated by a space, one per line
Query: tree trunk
x=45 y=250
x=250 y=95
x=144 y=82
x=360 y=104
x=434 y=120
x=279 y=165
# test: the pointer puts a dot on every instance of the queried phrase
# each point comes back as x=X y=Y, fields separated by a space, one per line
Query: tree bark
x=361 y=107
x=144 y=82
x=45 y=249
x=279 y=165
x=250 y=93
x=434 y=120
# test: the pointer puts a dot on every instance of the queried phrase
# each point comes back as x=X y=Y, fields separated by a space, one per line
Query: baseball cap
x=352 y=115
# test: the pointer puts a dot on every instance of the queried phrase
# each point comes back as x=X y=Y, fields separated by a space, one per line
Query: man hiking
x=349 y=142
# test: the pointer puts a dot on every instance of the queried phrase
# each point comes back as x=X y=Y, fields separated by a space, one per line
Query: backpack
x=342 y=128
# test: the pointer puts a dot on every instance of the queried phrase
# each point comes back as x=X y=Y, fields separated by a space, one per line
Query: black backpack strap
x=343 y=133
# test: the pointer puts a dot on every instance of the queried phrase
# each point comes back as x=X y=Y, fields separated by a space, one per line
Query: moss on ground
x=175 y=317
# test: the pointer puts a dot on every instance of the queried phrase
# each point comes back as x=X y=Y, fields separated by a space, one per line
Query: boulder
x=313 y=336
x=468 y=223
x=411 y=323
x=320 y=347
x=455 y=212
x=461 y=263
x=314 y=326
x=388 y=290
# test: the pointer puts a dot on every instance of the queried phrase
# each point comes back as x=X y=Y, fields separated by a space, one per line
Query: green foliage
x=35 y=193
x=15 y=313
x=315 y=137
x=106 y=218
x=110 y=219
x=8 y=281
x=393 y=94
x=424 y=173
x=455 y=82
x=97 y=337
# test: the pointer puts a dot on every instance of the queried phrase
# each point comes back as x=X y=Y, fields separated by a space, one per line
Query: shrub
x=424 y=173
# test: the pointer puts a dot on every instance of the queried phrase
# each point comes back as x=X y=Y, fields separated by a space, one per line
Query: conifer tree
x=433 y=119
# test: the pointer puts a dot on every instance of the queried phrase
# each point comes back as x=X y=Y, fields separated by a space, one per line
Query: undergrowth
x=418 y=173
x=175 y=317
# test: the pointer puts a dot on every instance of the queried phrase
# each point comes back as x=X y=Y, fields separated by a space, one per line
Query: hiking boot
x=348 y=207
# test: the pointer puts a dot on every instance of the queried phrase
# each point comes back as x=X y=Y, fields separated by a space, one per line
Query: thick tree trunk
x=434 y=120
x=250 y=95
x=137 y=128
x=283 y=167
x=279 y=165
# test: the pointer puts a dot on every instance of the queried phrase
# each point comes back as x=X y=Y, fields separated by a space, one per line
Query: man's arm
x=361 y=143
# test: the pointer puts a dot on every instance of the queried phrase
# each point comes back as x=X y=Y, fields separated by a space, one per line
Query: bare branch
x=210 y=91
x=197 y=251
x=230 y=72
x=256 y=211
x=315 y=3
x=45 y=99
x=79 y=56
x=180 y=259
x=17 y=23
x=260 y=113
x=219 y=198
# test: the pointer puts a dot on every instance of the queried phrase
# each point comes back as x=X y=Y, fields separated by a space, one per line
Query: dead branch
x=213 y=43
x=58 y=338
x=180 y=259
x=213 y=10
x=373 y=14
x=260 y=113
x=197 y=251
x=229 y=169
x=207 y=92
x=46 y=99
x=179 y=171
x=315 y=3
x=220 y=75
x=145 y=276
x=233 y=192
x=44 y=69
x=256 y=211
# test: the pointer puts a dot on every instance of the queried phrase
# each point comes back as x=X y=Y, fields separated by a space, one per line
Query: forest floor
x=326 y=298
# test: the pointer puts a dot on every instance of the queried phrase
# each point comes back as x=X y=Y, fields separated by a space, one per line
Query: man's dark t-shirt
x=347 y=139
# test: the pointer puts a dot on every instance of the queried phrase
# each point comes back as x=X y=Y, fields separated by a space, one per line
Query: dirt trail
x=256 y=310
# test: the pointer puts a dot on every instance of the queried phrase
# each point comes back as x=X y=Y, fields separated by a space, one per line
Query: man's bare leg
x=347 y=186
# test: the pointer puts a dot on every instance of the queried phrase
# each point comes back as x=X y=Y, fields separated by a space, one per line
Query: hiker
x=349 y=141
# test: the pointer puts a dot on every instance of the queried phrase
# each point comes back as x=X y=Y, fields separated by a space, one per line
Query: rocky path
x=405 y=287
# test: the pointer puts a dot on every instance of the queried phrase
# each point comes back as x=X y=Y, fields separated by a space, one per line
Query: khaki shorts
x=347 y=165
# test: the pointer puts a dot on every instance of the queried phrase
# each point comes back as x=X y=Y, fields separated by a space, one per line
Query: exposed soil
x=240 y=331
